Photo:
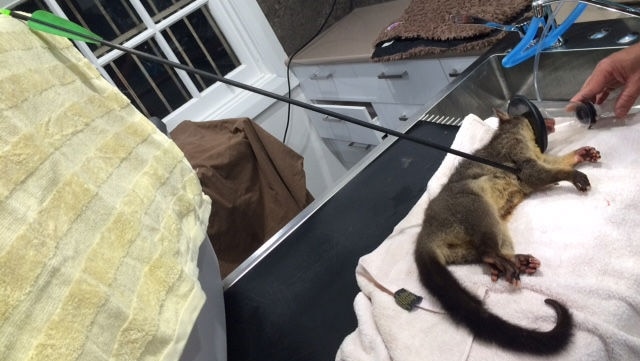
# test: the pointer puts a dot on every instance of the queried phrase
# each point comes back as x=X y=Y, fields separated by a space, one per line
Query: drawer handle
x=327 y=118
x=384 y=75
x=360 y=145
x=317 y=76
x=403 y=118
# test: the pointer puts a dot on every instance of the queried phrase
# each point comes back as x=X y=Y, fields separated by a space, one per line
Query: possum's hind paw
x=586 y=154
x=511 y=268
x=501 y=266
x=580 y=181
x=527 y=263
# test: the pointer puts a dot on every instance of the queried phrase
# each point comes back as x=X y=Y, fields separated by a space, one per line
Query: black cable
x=237 y=84
x=324 y=23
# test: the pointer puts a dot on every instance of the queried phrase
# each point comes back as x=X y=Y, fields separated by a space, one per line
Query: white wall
x=321 y=166
x=8 y=3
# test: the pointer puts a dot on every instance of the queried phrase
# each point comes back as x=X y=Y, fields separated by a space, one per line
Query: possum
x=466 y=223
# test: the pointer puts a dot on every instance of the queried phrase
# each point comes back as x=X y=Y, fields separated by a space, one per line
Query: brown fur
x=466 y=223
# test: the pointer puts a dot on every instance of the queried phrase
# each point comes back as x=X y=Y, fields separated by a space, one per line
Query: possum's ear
x=502 y=115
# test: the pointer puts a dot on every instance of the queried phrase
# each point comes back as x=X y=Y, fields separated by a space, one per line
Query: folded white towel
x=586 y=242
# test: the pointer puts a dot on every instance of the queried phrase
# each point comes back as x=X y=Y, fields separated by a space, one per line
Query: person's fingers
x=627 y=98
x=620 y=69
x=603 y=95
x=602 y=80
x=593 y=86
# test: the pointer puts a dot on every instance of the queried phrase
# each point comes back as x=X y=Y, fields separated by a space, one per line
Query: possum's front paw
x=586 y=154
x=580 y=181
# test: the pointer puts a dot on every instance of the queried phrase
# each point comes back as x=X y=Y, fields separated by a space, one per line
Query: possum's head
x=503 y=116
x=506 y=121
x=531 y=121
x=512 y=121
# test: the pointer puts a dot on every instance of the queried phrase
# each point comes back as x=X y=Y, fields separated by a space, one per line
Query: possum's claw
x=580 y=181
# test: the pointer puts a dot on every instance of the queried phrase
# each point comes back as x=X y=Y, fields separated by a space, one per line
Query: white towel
x=587 y=243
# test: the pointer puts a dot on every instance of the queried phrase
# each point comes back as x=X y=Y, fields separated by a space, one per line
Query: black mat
x=297 y=303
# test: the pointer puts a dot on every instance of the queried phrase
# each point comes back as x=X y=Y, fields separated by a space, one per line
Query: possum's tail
x=466 y=309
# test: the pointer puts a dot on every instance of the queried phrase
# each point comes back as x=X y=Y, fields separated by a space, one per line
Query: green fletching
x=49 y=23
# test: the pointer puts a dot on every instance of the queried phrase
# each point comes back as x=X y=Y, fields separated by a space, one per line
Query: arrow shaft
x=272 y=95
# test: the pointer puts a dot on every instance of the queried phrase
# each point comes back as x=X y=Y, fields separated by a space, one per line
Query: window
x=230 y=38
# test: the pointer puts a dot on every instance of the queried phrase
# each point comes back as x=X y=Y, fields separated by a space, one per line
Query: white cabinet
x=387 y=94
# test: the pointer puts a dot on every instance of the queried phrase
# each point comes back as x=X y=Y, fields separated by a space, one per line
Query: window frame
x=256 y=46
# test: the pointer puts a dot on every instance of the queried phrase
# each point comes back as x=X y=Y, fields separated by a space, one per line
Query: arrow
x=47 y=22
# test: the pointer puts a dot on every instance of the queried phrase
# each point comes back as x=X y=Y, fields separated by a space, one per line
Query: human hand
x=620 y=69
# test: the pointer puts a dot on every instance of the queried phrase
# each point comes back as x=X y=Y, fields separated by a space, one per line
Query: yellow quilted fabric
x=101 y=216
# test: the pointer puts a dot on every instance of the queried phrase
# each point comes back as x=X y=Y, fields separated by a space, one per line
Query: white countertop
x=351 y=38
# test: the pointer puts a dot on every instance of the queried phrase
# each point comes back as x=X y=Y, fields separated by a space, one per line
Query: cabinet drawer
x=407 y=81
x=347 y=153
x=397 y=116
x=453 y=67
x=333 y=128
x=318 y=81
x=345 y=82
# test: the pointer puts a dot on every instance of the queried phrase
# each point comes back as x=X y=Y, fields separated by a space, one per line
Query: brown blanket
x=425 y=28
x=255 y=182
